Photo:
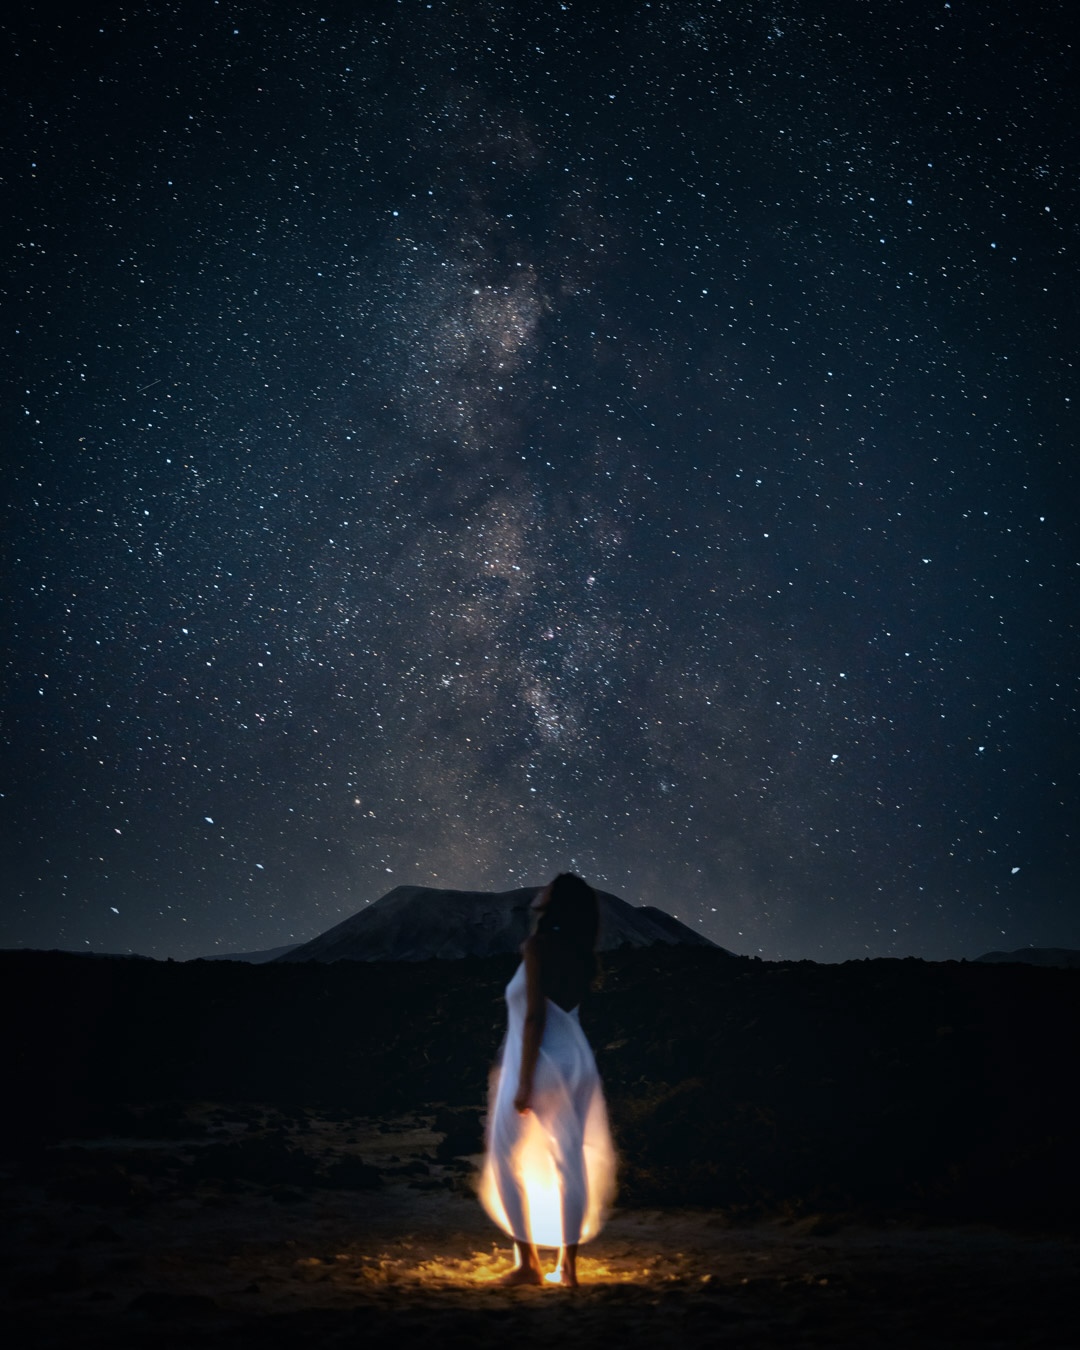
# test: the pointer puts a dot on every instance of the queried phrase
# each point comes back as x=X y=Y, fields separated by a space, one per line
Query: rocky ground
x=247 y=1225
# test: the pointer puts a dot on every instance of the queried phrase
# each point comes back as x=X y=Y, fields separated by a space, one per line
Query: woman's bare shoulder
x=536 y=952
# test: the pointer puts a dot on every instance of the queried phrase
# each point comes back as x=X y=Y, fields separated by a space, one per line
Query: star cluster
x=453 y=442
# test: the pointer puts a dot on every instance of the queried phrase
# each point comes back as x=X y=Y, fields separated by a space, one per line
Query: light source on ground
x=536 y=1173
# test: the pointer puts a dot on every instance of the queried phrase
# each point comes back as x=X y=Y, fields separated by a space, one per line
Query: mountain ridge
x=421 y=923
x=1065 y=958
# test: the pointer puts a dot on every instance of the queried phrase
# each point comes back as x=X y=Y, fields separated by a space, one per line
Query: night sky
x=447 y=443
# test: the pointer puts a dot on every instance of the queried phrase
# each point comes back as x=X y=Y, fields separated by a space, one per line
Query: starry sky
x=450 y=442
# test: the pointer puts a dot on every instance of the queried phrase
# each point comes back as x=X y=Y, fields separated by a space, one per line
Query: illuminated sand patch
x=409 y=1270
x=487 y=1267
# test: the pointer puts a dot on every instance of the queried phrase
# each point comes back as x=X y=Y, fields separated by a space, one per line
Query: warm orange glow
x=535 y=1171
x=488 y=1268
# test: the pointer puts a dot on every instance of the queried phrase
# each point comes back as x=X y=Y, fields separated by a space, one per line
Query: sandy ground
x=152 y=1258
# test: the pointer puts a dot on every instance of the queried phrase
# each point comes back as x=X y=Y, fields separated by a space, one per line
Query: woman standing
x=550 y=1167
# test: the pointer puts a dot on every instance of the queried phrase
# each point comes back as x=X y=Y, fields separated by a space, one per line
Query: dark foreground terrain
x=277 y=1155
x=224 y=1239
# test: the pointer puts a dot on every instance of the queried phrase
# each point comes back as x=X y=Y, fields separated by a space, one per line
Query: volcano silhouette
x=418 y=923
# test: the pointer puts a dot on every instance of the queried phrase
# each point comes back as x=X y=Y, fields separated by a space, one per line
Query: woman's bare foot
x=565 y=1273
x=521 y=1275
x=527 y=1270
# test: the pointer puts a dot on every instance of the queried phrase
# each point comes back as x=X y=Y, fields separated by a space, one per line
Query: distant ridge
x=81 y=951
x=253 y=958
x=1064 y=957
x=418 y=923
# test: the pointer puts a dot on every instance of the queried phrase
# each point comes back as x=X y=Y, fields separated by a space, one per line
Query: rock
x=462 y=1130
x=351 y=1174
x=165 y=1305
x=268 y=1162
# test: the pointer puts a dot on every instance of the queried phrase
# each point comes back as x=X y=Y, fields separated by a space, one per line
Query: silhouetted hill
x=81 y=953
x=254 y=958
x=1062 y=957
x=418 y=923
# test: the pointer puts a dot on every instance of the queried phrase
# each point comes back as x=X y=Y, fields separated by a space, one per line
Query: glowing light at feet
x=538 y=1178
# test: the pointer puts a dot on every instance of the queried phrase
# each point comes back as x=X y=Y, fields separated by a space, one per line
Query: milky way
x=450 y=443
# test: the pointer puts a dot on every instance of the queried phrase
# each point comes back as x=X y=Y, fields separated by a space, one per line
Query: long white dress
x=549 y=1175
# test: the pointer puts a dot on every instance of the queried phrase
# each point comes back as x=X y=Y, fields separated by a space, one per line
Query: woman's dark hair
x=572 y=913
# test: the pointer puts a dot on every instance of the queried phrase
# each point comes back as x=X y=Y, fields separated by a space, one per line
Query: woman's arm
x=533 y=1032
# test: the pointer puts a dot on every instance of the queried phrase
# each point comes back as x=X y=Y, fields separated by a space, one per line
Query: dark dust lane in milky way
x=452 y=442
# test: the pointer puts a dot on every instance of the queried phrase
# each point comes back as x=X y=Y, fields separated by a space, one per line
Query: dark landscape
x=285 y=1152
x=451 y=442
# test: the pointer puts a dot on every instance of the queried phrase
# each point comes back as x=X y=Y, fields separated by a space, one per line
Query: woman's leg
x=565 y=1272
x=569 y=1159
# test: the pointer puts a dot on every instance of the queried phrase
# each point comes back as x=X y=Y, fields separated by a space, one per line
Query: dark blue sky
x=450 y=443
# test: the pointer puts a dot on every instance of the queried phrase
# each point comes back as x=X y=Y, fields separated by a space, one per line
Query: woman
x=550 y=1166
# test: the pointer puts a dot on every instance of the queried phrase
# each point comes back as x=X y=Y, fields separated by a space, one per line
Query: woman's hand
x=521 y=1101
